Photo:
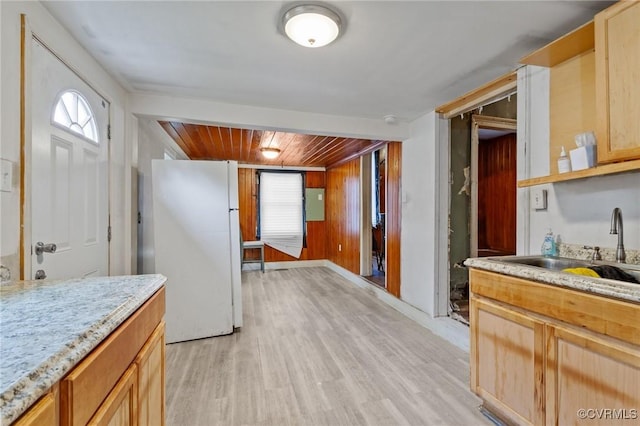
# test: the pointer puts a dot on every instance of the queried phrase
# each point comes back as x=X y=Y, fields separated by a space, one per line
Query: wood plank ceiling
x=201 y=142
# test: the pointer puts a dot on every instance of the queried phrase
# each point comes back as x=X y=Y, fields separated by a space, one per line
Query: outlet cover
x=539 y=199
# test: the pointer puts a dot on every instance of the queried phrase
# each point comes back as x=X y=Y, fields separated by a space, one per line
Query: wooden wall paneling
x=316 y=179
x=316 y=231
x=393 y=216
x=343 y=215
x=497 y=194
x=333 y=206
x=247 y=205
x=382 y=173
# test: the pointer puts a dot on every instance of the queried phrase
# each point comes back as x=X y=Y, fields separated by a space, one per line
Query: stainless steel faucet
x=616 y=228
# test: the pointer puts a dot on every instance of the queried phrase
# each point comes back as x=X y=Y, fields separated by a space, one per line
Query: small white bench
x=248 y=245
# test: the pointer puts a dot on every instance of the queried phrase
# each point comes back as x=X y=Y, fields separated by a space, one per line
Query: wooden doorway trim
x=25 y=148
x=483 y=95
x=366 y=257
x=393 y=217
x=485 y=122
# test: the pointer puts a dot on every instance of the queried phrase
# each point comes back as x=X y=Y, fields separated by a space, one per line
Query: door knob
x=40 y=274
x=45 y=248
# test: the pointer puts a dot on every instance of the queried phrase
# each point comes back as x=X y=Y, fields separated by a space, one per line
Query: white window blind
x=281 y=211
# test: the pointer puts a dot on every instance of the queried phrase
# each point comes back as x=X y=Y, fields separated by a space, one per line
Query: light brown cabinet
x=120 y=382
x=593 y=86
x=585 y=371
x=505 y=340
x=150 y=362
x=120 y=407
x=617 y=56
x=42 y=413
x=540 y=353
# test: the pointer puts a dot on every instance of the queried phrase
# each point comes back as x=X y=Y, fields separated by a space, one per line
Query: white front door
x=69 y=173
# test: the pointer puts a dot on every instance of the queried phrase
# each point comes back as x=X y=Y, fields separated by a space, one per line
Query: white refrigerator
x=197 y=246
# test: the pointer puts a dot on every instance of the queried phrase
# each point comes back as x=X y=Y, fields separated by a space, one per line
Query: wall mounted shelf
x=607 y=169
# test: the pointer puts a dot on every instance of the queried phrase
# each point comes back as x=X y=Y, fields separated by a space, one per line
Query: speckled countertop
x=601 y=286
x=47 y=327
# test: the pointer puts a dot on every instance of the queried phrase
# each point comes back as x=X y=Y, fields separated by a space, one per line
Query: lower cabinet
x=120 y=407
x=591 y=379
x=121 y=382
x=42 y=413
x=150 y=362
x=536 y=369
x=507 y=373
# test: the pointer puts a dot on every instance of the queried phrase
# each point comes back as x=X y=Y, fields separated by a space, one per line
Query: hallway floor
x=317 y=350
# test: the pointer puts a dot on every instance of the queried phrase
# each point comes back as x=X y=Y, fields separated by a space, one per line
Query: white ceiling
x=395 y=57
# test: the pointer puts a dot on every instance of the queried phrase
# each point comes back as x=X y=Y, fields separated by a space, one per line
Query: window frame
x=303 y=174
x=66 y=128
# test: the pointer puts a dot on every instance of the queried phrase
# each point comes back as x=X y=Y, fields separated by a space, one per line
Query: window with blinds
x=281 y=211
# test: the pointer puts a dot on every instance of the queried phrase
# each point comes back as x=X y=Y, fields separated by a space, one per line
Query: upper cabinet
x=617 y=62
x=594 y=85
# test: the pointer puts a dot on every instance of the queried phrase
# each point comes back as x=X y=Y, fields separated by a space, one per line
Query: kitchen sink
x=555 y=263
x=560 y=263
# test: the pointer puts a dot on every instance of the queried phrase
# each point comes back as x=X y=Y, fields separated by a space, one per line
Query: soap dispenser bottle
x=564 y=164
x=549 y=245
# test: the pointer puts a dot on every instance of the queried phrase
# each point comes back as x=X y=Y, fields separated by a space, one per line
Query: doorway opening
x=377 y=199
x=482 y=210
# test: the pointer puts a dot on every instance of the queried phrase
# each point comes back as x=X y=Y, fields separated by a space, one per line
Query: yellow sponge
x=582 y=271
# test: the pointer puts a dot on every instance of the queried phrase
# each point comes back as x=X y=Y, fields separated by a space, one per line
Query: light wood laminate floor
x=317 y=350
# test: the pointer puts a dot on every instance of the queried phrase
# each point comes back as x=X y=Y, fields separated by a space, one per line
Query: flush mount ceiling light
x=311 y=25
x=269 y=152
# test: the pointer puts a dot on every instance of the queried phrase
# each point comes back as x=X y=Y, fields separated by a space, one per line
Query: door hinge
x=109 y=233
x=109 y=131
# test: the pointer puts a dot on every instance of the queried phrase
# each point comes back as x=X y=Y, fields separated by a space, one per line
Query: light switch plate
x=539 y=199
x=6 y=175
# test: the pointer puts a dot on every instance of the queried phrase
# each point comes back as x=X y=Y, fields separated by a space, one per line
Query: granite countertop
x=47 y=327
x=604 y=287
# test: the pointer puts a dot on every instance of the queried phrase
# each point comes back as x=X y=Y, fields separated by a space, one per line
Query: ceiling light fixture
x=269 y=152
x=311 y=25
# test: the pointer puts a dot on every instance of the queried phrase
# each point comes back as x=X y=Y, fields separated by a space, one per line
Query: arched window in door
x=73 y=113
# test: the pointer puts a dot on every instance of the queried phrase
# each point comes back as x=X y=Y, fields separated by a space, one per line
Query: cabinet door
x=592 y=373
x=507 y=350
x=43 y=413
x=120 y=407
x=150 y=362
x=617 y=35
